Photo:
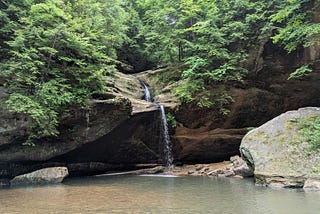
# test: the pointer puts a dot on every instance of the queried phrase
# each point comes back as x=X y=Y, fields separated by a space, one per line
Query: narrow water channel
x=137 y=194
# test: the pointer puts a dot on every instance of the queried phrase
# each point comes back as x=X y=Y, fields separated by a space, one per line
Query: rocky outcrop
x=51 y=175
x=161 y=90
x=114 y=133
x=135 y=141
x=80 y=127
x=203 y=146
x=279 y=154
x=121 y=130
x=265 y=94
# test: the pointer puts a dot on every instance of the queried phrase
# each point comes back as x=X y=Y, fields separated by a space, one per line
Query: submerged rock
x=279 y=154
x=51 y=175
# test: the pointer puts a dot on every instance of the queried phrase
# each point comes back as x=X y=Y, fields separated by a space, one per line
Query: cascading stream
x=147 y=94
x=164 y=130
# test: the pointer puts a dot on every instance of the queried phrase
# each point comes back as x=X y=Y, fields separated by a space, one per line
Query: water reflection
x=136 y=194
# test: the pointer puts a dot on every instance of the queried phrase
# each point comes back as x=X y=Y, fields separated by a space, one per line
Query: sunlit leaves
x=295 y=27
x=301 y=71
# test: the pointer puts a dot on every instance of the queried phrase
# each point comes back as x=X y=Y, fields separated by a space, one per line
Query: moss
x=250 y=137
x=314 y=169
x=310 y=130
x=261 y=136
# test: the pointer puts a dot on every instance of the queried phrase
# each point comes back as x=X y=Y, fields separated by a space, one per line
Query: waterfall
x=87 y=123
x=166 y=139
x=147 y=94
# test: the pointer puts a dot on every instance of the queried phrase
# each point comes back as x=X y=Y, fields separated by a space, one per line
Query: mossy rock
x=278 y=151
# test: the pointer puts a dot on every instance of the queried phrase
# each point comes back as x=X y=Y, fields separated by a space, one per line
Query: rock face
x=278 y=152
x=79 y=128
x=135 y=141
x=202 y=146
x=12 y=126
x=121 y=130
x=116 y=129
x=51 y=175
x=265 y=94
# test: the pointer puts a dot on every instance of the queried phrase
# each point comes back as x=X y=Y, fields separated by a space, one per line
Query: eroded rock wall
x=265 y=94
x=119 y=129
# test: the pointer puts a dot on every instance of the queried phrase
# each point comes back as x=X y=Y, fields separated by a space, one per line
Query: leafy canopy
x=55 y=54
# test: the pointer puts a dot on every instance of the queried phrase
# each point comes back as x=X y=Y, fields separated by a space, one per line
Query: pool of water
x=147 y=194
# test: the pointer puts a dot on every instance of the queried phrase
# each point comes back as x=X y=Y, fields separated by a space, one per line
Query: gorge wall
x=121 y=131
x=204 y=135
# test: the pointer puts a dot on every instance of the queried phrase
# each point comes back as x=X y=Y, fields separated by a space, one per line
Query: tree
x=58 y=55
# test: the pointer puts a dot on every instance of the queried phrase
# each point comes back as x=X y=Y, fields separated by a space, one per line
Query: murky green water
x=136 y=194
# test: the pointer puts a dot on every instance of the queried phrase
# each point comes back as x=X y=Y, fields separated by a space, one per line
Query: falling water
x=147 y=94
x=166 y=139
x=164 y=130
x=87 y=123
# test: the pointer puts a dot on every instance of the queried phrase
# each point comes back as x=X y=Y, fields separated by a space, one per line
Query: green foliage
x=55 y=55
x=187 y=89
x=293 y=21
x=310 y=129
x=299 y=72
x=214 y=37
x=194 y=91
x=250 y=128
x=171 y=120
x=211 y=37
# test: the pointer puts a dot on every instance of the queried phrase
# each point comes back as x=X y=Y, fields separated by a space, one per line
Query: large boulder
x=52 y=175
x=279 y=153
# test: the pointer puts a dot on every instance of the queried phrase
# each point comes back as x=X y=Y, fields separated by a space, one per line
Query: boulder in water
x=279 y=153
x=50 y=175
